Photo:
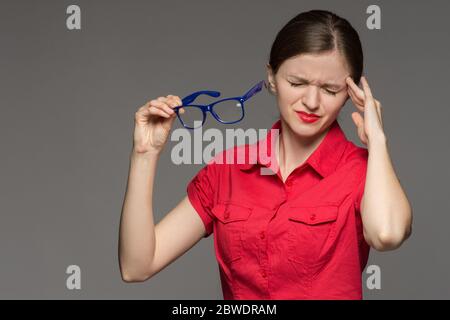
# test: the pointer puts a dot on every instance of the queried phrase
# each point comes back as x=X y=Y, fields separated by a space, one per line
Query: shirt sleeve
x=361 y=172
x=200 y=191
x=359 y=194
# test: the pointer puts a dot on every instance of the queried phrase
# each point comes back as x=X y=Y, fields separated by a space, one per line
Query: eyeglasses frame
x=186 y=101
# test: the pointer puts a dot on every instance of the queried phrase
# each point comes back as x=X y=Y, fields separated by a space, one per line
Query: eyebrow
x=329 y=85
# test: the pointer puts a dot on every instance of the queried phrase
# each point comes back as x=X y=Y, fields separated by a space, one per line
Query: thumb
x=357 y=119
x=359 y=122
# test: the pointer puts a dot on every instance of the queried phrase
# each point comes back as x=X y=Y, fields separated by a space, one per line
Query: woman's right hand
x=153 y=122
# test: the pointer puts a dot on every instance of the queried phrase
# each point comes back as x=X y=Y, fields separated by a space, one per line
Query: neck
x=292 y=150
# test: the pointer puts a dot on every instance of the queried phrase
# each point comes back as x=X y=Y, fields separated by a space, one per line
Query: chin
x=307 y=130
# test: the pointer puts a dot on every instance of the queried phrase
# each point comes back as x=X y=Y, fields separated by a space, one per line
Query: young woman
x=305 y=231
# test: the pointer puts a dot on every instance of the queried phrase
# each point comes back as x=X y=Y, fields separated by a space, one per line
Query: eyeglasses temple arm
x=190 y=98
x=258 y=87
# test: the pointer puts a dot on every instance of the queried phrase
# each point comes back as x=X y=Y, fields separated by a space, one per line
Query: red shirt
x=301 y=239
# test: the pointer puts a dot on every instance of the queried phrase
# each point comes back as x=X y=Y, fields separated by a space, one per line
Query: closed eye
x=300 y=84
x=296 y=84
x=331 y=92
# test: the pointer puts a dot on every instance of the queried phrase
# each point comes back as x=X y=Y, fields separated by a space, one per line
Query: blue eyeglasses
x=227 y=111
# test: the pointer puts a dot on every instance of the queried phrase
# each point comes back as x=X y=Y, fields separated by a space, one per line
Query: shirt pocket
x=310 y=232
x=231 y=223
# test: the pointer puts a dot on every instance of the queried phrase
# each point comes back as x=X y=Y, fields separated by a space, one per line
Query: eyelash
x=299 y=84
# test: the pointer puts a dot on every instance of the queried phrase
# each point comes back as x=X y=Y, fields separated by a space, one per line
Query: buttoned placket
x=265 y=241
x=264 y=238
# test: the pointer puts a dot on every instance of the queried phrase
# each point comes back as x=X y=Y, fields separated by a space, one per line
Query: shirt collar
x=323 y=160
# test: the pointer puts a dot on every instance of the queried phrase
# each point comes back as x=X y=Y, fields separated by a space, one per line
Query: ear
x=271 y=78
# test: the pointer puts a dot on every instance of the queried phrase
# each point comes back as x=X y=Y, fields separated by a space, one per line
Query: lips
x=309 y=115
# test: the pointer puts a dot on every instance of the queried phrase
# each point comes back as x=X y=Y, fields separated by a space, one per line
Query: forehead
x=323 y=67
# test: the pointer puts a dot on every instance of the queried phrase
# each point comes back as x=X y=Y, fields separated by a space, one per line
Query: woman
x=305 y=231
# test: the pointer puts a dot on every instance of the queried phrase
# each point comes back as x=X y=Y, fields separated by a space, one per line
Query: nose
x=311 y=98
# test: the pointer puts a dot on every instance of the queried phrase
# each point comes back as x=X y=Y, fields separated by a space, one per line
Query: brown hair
x=318 y=31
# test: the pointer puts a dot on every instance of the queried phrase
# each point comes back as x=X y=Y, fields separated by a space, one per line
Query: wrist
x=378 y=140
x=147 y=155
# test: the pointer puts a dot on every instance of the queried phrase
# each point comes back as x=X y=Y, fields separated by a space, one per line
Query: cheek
x=333 y=105
x=288 y=94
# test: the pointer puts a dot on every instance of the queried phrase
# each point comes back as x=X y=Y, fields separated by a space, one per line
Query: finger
x=144 y=108
x=181 y=110
x=378 y=104
x=359 y=122
x=160 y=105
x=163 y=106
x=379 y=110
x=158 y=112
x=172 y=102
x=357 y=91
x=355 y=98
x=177 y=100
x=358 y=104
x=167 y=109
x=142 y=113
x=370 y=108
x=366 y=88
x=363 y=137
x=357 y=119
x=362 y=134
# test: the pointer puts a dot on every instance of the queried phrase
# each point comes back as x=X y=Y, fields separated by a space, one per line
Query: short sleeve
x=361 y=169
x=200 y=192
x=359 y=192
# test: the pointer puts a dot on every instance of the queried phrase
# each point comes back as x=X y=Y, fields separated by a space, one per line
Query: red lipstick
x=307 y=117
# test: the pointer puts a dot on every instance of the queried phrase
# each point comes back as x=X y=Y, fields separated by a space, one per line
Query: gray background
x=68 y=100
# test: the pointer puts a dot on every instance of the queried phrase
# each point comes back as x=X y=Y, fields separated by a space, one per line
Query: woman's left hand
x=370 y=125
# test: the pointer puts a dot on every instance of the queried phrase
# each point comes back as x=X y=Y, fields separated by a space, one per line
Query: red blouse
x=301 y=239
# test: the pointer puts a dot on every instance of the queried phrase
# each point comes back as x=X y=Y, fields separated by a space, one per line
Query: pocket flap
x=227 y=212
x=314 y=215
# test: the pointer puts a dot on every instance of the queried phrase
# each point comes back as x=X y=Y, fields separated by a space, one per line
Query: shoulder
x=353 y=162
x=355 y=154
x=234 y=155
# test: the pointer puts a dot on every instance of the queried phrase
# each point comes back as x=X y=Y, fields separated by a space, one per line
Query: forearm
x=137 y=236
x=385 y=209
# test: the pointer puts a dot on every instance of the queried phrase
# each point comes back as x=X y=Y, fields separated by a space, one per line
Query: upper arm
x=188 y=222
x=175 y=234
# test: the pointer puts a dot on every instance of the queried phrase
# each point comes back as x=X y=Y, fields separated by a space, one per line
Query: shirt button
x=226 y=215
x=312 y=216
x=263 y=273
x=262 y=235
x=289 y=183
